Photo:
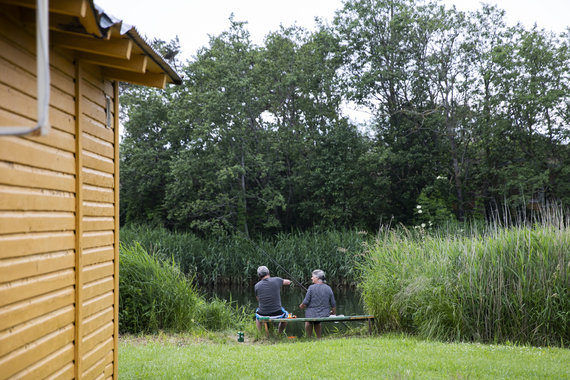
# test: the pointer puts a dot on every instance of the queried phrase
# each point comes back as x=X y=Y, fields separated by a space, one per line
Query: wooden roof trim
x=65 y=7
x=111 y=48
x=147 y=79
x=135 y=36
x=103 y=40
x=137 y=63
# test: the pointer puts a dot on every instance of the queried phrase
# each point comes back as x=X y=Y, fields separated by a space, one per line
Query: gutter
x=43 y=76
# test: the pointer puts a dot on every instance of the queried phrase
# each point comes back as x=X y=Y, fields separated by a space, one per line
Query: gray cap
x=262 y=271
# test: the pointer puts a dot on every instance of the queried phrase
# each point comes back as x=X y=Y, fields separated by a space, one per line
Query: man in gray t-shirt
x=268 y=294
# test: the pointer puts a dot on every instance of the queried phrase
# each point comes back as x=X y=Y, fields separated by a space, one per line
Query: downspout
x=43 y=78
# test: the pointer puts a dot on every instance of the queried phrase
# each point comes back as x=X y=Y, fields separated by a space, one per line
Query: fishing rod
x=271 y=258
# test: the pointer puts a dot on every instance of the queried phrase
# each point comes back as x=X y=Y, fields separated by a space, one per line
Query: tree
x=386 y=42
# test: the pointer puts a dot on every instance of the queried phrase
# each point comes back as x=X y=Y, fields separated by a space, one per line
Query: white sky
x=194 y=20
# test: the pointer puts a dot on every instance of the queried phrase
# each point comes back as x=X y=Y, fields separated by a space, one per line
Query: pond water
x=348 y=302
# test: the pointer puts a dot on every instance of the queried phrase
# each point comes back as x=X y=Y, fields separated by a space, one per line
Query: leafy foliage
x=155 y=295
x=467 y=116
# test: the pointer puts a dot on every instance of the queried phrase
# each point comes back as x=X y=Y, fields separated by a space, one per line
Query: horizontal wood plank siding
x=58 y=216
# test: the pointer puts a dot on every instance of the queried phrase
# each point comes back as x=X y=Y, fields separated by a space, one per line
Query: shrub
x=154 y=294
x=504 y=284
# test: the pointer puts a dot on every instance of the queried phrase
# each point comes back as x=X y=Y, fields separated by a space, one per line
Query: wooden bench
x=337 y=318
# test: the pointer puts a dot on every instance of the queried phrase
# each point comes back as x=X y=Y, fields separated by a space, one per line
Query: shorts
x=280 y=314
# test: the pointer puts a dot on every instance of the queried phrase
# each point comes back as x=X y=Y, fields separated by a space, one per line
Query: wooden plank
x=24 y=357
x=30 y=244
x=97 y=178
x=25 y=152
x=338 y=318
x=157 y=80
x=98 y=336
x=97 y=354
x=79 y=246
x=98 y=146
x=15 y=55
x=66 y=372
x=98 y=287
x=93 y=93
x=97 y=271
x=97 y=128
x=58 y=365
x=29 y=266
x=19 y=290
x=137 y=63
x=25 y=41
x=16 y=222
x=109 y=370
x=15 y=77
x=19 y=198
x=55 y=139
x=58 y=119
x=97 y=255
x=116 y=231
x=98 y=319
x=96 y=78
x=23 y=101
x=97 y=369
x=28 y=176
x=66 y=7
x=62 y=80
x=19 y=79
x=62 y=101
x=119 y=48
x=97 y=239
x=97 y=162
x=98 y=223
x=25 y=333
x=98 y=209
x=95 y=111
x=97 y=304
x=98 y=194
x=26 y=310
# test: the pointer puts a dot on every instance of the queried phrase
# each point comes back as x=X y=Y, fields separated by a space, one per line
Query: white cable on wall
x=43 y=78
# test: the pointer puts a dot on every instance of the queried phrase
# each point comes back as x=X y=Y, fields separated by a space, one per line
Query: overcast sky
x=194 y=20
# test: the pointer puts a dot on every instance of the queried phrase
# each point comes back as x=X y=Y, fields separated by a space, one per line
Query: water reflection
x=348 y=302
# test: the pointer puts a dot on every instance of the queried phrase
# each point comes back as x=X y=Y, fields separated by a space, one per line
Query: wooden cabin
x=59 y=179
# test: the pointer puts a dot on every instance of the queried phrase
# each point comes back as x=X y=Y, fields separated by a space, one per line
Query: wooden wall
x=58 y=218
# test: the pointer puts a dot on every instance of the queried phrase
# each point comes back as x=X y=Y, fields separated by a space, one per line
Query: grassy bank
x=500 y=285
x=233 y=259
x=339 y=358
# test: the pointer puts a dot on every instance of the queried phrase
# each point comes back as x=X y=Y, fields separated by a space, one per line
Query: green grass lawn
x=186 y=357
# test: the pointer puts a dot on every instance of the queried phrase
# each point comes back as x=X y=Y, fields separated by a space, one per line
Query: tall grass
x=233 y=259
x=501 y=284
x=155 y=295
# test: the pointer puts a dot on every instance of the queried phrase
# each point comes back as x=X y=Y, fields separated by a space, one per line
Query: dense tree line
x=467 y=114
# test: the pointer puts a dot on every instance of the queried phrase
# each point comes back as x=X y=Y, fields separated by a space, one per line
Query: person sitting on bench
x=268 y=294
x=317 y=301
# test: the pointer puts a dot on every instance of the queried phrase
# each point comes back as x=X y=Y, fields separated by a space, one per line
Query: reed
x=504 y=283
x=155 y=295
x=233 y=259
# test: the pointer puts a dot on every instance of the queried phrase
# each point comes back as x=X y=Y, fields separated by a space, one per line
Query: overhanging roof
x=103 y=40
